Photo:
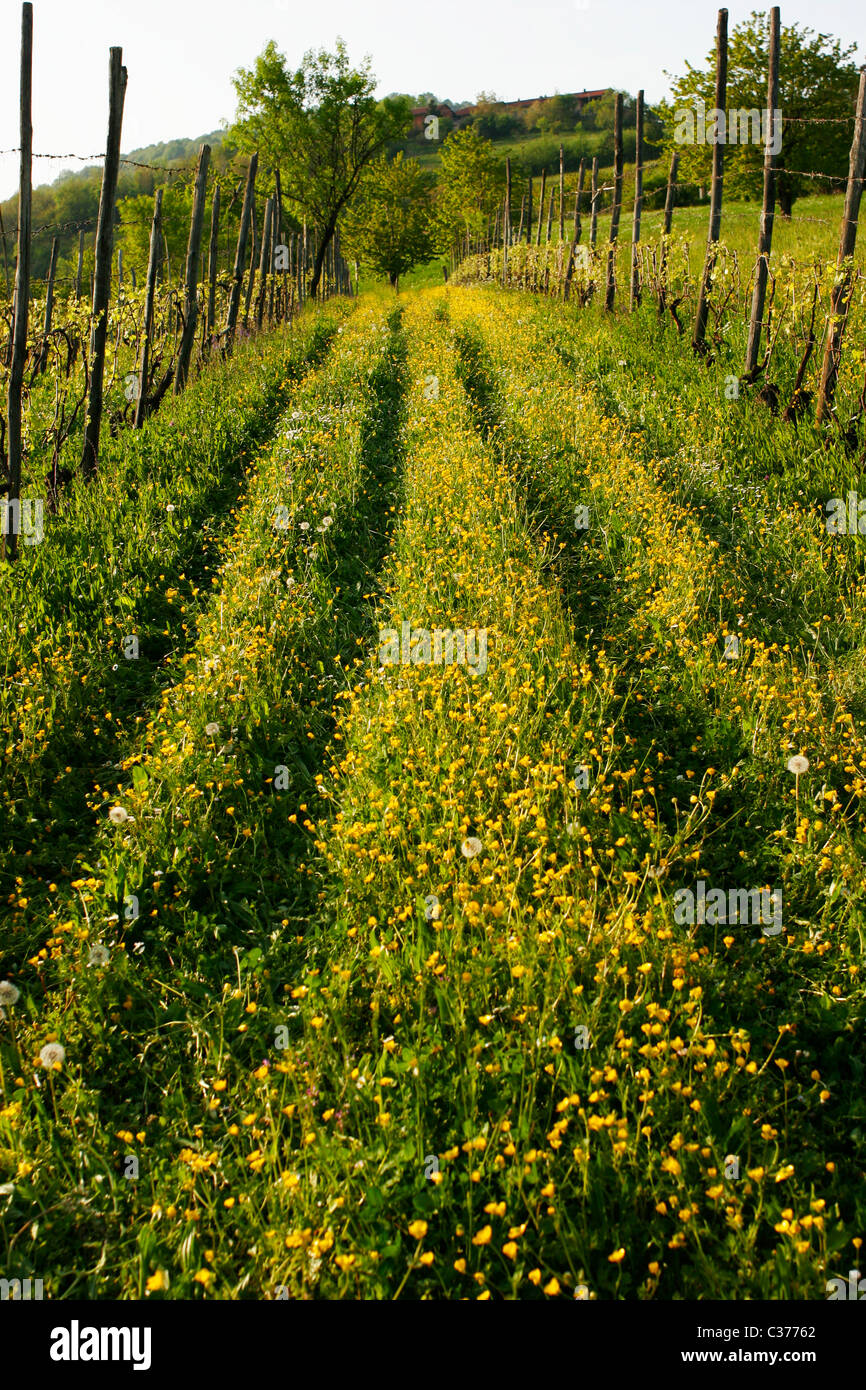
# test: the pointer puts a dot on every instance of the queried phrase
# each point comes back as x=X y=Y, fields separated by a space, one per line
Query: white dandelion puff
x=52 y=1056
x=9 y=994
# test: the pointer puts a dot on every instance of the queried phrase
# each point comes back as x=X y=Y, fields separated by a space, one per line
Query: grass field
x=335 y=969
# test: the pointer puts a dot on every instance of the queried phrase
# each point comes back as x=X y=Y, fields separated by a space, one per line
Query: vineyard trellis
x=575 y=271
x=126 y=349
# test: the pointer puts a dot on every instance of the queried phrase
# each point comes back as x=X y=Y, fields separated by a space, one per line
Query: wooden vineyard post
x=193 y=251
x=5 y=252
x=263 y=261
x=80 y=264
x=120 y=267
x=102 y=267
x=617 y=203
x=213 y=259
x=549 y=218
x=529 y=213
x=635 y=291
x=507 y=221
x=149 y=292
x=519 y=237
x=254 y=251
x=11 y=512
x=541 y=207
x=581 y=175
x=669 y=194
x=666 y=230
x=768 y=209
x=49 y=301
x=702 y=314
x=278 y=291
x=593 y=206
x=272 y=256
x=566 y=288
x=241 y=251
x=840 y=301
x=302 y=268
x=561 y=197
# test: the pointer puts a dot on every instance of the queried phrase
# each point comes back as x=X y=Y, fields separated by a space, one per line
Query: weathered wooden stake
x=5 y=252
x=666 y=230
x=593 y=206
x=561 y=196
x=702 y=313
x=213 y=259
x=193 y=253
x=669 y=194
x=635 y=291
x=581 y=175
x=80 y=265
x=541 y=207
x=254 y=251
x=102 y=266
x=241 y=251
x=617 y=204
x=11 y=512
x=49 y=293
x=149 y=292
x=840 y=301
x=768 y=210
x=263 y=261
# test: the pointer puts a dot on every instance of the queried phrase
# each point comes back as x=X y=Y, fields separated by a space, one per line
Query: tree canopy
x=389 y=225
x=319 y=125
x=817 y=91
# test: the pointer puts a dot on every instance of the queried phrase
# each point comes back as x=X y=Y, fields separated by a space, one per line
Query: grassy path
x=371 y=957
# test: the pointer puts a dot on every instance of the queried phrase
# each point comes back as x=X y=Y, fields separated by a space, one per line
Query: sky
x=180 y=55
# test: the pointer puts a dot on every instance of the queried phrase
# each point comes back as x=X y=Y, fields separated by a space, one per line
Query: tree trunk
x=324 y=243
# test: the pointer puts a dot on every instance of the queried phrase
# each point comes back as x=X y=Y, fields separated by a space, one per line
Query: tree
x=320 y=126
x=817 y=83
x=389 y=223
x=551 y=115
x=468 y=188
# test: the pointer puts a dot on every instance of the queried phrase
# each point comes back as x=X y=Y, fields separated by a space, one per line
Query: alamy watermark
x=717 y=907
x=846 y=516
x=18 y=1289
x=695 y=125
x=443 y=646
x=22 y=518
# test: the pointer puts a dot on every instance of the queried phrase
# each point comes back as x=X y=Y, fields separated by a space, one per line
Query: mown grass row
x=91 y=614
x=190 y=901
x=650 y=589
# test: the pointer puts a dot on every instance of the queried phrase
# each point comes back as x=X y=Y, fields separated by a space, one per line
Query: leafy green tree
x=133 y=232
x=469 y=185
x=817 y=82
x=320 y=126
x=389 y=224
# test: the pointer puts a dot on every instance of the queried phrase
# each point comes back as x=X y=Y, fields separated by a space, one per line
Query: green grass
x=376 y=970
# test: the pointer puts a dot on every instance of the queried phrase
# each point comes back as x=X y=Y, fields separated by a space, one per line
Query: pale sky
x=181 y=54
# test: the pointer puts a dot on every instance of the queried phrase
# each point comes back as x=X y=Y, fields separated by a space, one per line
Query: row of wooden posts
x=282 y=279
x=499 y=234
